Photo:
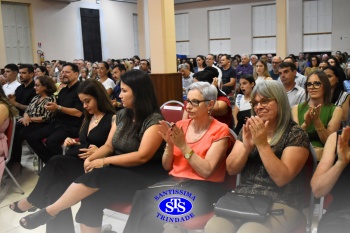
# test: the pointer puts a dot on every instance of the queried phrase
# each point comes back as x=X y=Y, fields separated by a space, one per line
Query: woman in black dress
x=129 y=160
x=62 y=170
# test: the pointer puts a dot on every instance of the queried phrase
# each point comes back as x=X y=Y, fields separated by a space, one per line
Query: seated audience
x=295 y=93
x=145 y=66
x=222 y=110
x=332 y=176
x=34 y=118
x=68 y=109
x=299 y=79
x=7 y=111
x=84 y=74
x=117 y=72
x=261 y=72
x=339 y=96
x=242 y=109
x=25 y=92
x=276 y=61
x=317 y=115
x=62 y=170
x=41 y=71
x=315 y=62
x=228 y=75
x=103 y=73
x=195 y=151
x=244 y=67
x=128 y=161
x=10 y=74
x=200 y=60
x=270 y=154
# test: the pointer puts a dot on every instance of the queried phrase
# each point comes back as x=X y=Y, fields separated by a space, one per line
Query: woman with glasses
x=318 y=116
x=194 y=156
x=315 y=62
x=94 y=71
x=200 y=60
x=269 y=153
x=222 y=110
x=35 y=117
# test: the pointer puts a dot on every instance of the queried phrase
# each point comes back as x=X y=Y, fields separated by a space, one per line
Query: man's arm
x=12 y=99
x=54 y=107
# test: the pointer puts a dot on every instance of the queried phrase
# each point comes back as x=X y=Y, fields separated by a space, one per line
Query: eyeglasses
x=263 y=102
x=37 y=85
x=195 y=102
x=316 y=84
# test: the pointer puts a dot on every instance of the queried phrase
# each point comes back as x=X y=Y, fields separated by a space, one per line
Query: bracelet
x=59 y=108
x=103 y=162
x=320 y=129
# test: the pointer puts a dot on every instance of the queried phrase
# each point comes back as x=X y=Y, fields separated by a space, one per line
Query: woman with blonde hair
x=261 y=72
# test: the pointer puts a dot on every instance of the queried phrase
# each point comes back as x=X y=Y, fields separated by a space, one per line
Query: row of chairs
x=172 y=112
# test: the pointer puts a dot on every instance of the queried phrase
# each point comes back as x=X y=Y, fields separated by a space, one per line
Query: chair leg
x=40 y=165
x=14 y=180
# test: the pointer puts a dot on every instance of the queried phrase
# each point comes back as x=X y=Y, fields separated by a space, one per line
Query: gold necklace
x=96 y=121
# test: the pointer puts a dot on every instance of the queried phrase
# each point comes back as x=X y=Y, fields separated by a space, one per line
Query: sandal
x=35 y=220
x=18 y=210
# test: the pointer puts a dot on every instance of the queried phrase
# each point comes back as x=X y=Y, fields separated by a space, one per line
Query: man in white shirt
x=299 y=79
x=295 y=94
x=187 y=76
x=11 y=72
x=209 y=61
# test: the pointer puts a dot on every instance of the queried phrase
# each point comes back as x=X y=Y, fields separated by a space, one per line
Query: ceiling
x=175 y=1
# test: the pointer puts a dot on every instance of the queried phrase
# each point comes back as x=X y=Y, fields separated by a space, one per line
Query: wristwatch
x=189 y=154
x=59 y=107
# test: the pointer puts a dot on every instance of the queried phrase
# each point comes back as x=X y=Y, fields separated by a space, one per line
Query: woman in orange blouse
x=195 y=158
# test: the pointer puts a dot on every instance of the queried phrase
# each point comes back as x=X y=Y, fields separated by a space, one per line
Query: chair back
x=172 y=110
x=10 y=133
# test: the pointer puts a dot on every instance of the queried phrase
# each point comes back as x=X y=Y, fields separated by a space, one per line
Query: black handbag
x=253 y=208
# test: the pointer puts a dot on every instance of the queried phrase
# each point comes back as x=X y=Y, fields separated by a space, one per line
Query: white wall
x=241 y=24
x=57 y=26
x=341 y=26
x=241 y=21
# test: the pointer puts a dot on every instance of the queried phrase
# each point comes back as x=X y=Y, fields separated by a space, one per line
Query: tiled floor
x=9 y=193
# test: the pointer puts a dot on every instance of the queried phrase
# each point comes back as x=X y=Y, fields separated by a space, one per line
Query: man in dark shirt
x=69 y=117
x=244 y=68
x=228 y=74
x=276 y=61
x=25 y=92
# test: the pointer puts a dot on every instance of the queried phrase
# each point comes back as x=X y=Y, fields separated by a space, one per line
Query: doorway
x=90 y=27
x=18 y=42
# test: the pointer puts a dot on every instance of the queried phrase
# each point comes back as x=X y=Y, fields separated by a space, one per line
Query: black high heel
x=35 y=220
x=18 y=210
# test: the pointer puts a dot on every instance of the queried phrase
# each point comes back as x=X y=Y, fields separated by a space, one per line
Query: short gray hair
x=208 y=91
x=275 y=90
x=184 y=66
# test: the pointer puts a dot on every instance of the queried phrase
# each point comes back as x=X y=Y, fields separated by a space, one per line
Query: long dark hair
x=3 y=99
x=339 y=86
x=144 y=103
x=326 y=85
x=95 y=89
